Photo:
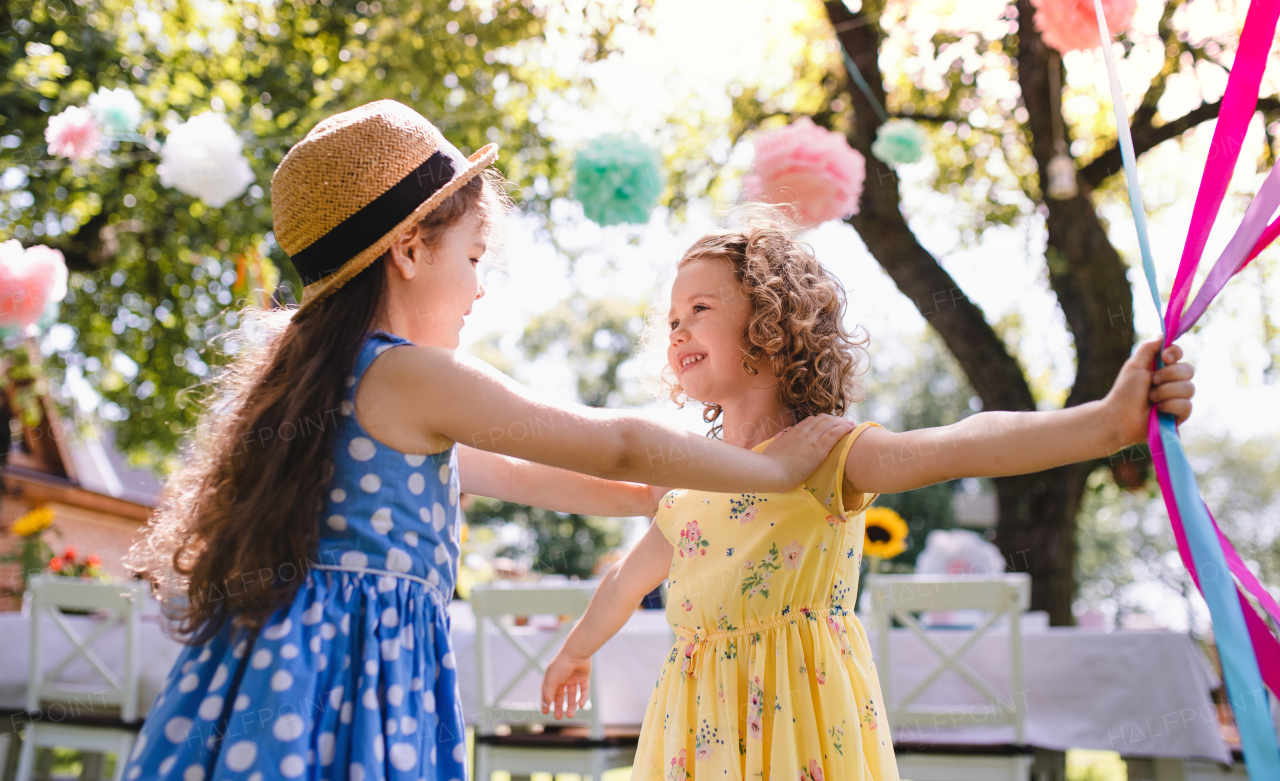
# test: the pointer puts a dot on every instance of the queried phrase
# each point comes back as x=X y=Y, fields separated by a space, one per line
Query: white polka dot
x=370 y=699
x=254 y=776
x=447 y=661
x=315 y=644
x=351 y=380
x=403 y=756
x=442 y=554
x=281 y=681
x=204 y=655
x=337 y=523
x=395 y=694
x=357 y=772
x=293 y=766
x=313 y=614
x=392 y=727
x=177 y=728
x=414 y=459
x=338 y=495
x=411 y=539
x=408 y=725
x=325 y=742
x=345 y=407
x=390 y=617
x=362 y=448
x=138 y=746
x=387 y=583
x=379 y=751
x=289 y=651
x=193 y=773
x=444 y=474
x=370 y=483
x=391 y=649
x=241 y=647
x=425 y=514
x=460 y=752
x=416 y=683
x=219 y=677
x=210 y=708
x=381 y=519
x=382 y=348
x=371 y=667
x=189 y=683
x=433 y=578
x=345 y=624
x=429 y=701
x=398 y=560
x=346 y=713
x=417 y=483
x=277 y=631
x=328 y=631
x=261 y=659
x=354 y=558
x=453 y=495
x=437 y=516
x=288 y=727
x=242 y=702
x=322 y=662
x=167 y=765
x=433 y=754
x=188 y=667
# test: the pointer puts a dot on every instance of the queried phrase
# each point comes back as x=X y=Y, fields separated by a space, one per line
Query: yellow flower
x=886 y=533
x=33 y=522
x=462 y=534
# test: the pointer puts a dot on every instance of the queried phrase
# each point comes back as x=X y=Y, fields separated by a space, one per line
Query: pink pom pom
x=29 y=279
x=73 y=133
x=1067 y=25
x=810 y=167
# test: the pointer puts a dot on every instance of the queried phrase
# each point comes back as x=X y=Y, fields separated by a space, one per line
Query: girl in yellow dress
x=771 y=675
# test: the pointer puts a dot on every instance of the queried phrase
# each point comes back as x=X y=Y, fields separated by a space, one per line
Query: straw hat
x=344 y=192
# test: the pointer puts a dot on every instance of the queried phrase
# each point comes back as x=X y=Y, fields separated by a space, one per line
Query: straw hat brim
x=318 y=291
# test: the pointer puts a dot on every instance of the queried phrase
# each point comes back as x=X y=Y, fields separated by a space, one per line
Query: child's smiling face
x=708 y=318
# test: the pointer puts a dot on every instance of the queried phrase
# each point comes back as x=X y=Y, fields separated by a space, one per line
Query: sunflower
x=886 y=533
x=33 y=522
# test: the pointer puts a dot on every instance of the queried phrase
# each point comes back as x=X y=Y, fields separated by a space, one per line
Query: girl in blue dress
x=308 y=546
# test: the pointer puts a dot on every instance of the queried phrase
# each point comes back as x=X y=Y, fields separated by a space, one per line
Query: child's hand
x=802 y=448
x=566 y=684
x=1137 y=387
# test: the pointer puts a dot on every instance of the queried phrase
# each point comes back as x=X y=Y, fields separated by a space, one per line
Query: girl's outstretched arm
x=999 y=443
x=447 y=397
x=538 y=485
x=645 y=566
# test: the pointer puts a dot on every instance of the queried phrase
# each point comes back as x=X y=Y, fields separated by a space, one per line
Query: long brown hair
x=238 y=524
x=796 y=325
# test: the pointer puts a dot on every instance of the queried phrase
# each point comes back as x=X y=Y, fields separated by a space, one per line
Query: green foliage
x=154 y=271
x=597 y=335
x=561 y=543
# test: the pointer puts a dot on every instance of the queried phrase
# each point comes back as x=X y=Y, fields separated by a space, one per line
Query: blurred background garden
x=137 y=139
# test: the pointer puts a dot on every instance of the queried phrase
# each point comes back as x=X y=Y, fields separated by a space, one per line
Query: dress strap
x=375 y=344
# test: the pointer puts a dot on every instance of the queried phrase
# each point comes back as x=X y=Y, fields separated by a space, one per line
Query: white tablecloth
x=1139 y=693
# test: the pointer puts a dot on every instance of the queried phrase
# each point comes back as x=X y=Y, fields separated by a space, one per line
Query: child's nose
x=479 y=292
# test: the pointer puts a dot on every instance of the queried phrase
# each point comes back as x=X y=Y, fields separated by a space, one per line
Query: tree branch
x=1145 y=137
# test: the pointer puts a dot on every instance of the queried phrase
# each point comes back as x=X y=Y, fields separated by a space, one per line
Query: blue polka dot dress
x=356 y=678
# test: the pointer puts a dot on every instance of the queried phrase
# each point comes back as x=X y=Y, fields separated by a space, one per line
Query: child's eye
x=675 y=324
x=696 y=307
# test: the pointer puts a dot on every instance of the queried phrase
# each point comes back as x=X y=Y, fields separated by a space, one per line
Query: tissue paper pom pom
x=899 y=141
x=810 y=167
x=203 y=157
x=117 y=109
x=1067 y=25
x=73 y=133
x=617 y=179
x=29 y=280
x=958 y=552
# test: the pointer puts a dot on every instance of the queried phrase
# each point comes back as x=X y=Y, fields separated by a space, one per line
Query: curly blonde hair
x=796 y=324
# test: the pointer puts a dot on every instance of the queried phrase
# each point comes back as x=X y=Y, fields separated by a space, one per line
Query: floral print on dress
x=677 y=771
x=837 y=736
x=869 y=713
x=811 y=773
x=791 y=555
x=705 y=742
x=743 y=508
x=755 y=709
x=691 y=540
x=756 y=582
x=669 y=500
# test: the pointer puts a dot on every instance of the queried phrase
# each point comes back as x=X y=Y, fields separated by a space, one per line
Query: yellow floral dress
x=771 y=675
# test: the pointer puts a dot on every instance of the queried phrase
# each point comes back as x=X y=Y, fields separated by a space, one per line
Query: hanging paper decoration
x=1250 y=653
x=1067 y=25
x=899 y=141
x=958 y=552
x=72 y=134
x=32 y=280
x=809 y=167
x=617 y=179
x=116 y=110
x=204 y=157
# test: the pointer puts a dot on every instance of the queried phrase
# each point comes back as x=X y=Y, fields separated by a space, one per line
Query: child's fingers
x=1173 y=354
x=1180 y=409
x=1174 y=372
x=1172 y=390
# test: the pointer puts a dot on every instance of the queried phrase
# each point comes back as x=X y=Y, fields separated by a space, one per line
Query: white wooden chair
x=900 y=597
x=99 y=717
x=581 y=745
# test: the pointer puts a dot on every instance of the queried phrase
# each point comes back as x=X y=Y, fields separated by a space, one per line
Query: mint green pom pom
x=899 y=141
x=617 y=179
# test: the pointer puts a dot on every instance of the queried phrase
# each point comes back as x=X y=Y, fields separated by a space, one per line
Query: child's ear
x=406 y=249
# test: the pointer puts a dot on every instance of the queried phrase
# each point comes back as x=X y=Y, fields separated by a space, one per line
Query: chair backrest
x=113 y=604
x=901 y=596
x=517 y=700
